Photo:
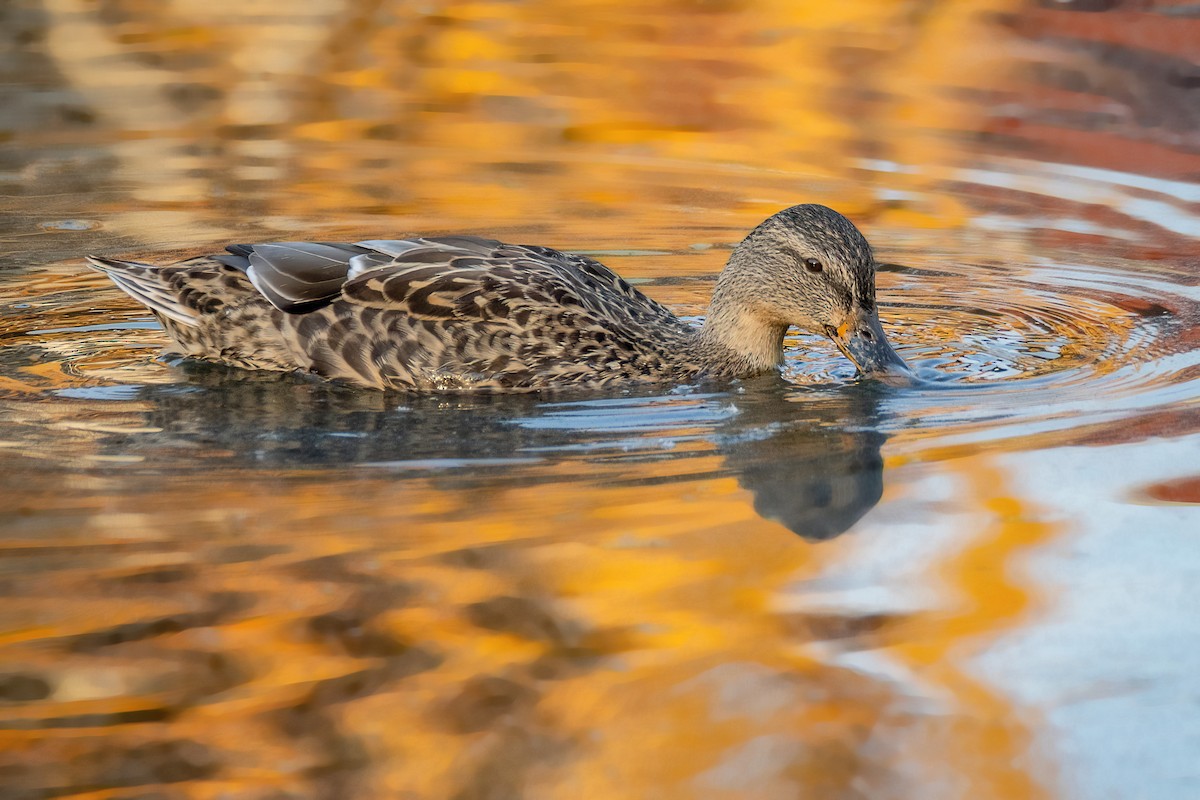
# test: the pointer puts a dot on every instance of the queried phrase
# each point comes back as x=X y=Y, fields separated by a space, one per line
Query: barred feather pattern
x=452 y=314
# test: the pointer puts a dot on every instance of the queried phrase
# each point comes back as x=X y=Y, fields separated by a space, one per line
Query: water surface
x=225 y=584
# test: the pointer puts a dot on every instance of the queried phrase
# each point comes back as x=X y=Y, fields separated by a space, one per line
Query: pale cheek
x=814 y=307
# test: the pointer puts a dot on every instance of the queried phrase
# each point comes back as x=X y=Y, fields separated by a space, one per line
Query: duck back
x=428 y=314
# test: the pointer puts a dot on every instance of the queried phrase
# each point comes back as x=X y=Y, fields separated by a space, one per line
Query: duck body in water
x=460 y=313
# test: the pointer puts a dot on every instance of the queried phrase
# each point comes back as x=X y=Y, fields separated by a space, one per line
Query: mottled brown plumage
x=459 y=313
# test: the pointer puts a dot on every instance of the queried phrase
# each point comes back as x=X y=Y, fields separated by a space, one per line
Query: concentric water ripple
x=1001 y=349
x=1044 y=346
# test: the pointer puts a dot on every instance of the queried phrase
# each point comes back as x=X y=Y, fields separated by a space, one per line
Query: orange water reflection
x=310 y=633
x=204 y=598
x=595 y=125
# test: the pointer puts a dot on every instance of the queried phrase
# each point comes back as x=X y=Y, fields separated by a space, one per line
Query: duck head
x=809 y=267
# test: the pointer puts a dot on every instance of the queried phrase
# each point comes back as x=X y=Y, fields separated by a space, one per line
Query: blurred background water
x=223 y=584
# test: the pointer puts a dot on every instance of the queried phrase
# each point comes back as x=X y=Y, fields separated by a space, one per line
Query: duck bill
x=861 y=339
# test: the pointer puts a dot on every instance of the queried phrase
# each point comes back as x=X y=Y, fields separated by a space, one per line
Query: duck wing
x=517 y=318
x=429 y=313
x=446 y=277
x=521 y=286
x=294 y=276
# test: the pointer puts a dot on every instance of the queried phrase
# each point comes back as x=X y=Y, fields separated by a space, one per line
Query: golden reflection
x=257 y=588
x=451 y=634
x=557 y=655
x=469 y=114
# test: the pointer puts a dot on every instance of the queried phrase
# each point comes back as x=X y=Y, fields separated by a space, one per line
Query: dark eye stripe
x=810 y=263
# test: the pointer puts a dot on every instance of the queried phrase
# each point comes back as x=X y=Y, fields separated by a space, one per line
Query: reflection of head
x=818 y=469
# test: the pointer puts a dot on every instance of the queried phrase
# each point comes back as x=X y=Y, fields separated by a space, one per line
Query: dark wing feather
x=517 y=318
x=513 y=284
x=295 y=276
x=447 y=278
x=593 y=279
x=443 y=288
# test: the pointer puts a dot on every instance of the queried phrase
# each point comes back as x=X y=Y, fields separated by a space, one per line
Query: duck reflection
x=810 y=456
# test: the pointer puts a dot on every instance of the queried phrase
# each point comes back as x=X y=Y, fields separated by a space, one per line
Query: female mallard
x=455 y=313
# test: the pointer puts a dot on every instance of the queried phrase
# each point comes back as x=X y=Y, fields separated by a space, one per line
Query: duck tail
x=148 y=285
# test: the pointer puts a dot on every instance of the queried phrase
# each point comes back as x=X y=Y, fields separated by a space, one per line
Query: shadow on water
x=809 y=455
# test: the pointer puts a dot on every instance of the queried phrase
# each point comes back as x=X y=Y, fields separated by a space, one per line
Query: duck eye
x=812 y=265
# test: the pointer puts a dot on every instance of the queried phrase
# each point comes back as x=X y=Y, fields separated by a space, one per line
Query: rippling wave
x=217 y=582
x=1048 y=345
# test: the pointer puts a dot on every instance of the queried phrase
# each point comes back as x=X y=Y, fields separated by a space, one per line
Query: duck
x=456 y=314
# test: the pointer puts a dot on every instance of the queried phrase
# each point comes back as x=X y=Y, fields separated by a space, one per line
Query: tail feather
x=146 y=284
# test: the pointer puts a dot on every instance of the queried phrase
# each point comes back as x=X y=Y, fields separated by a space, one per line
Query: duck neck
x=736 y=341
